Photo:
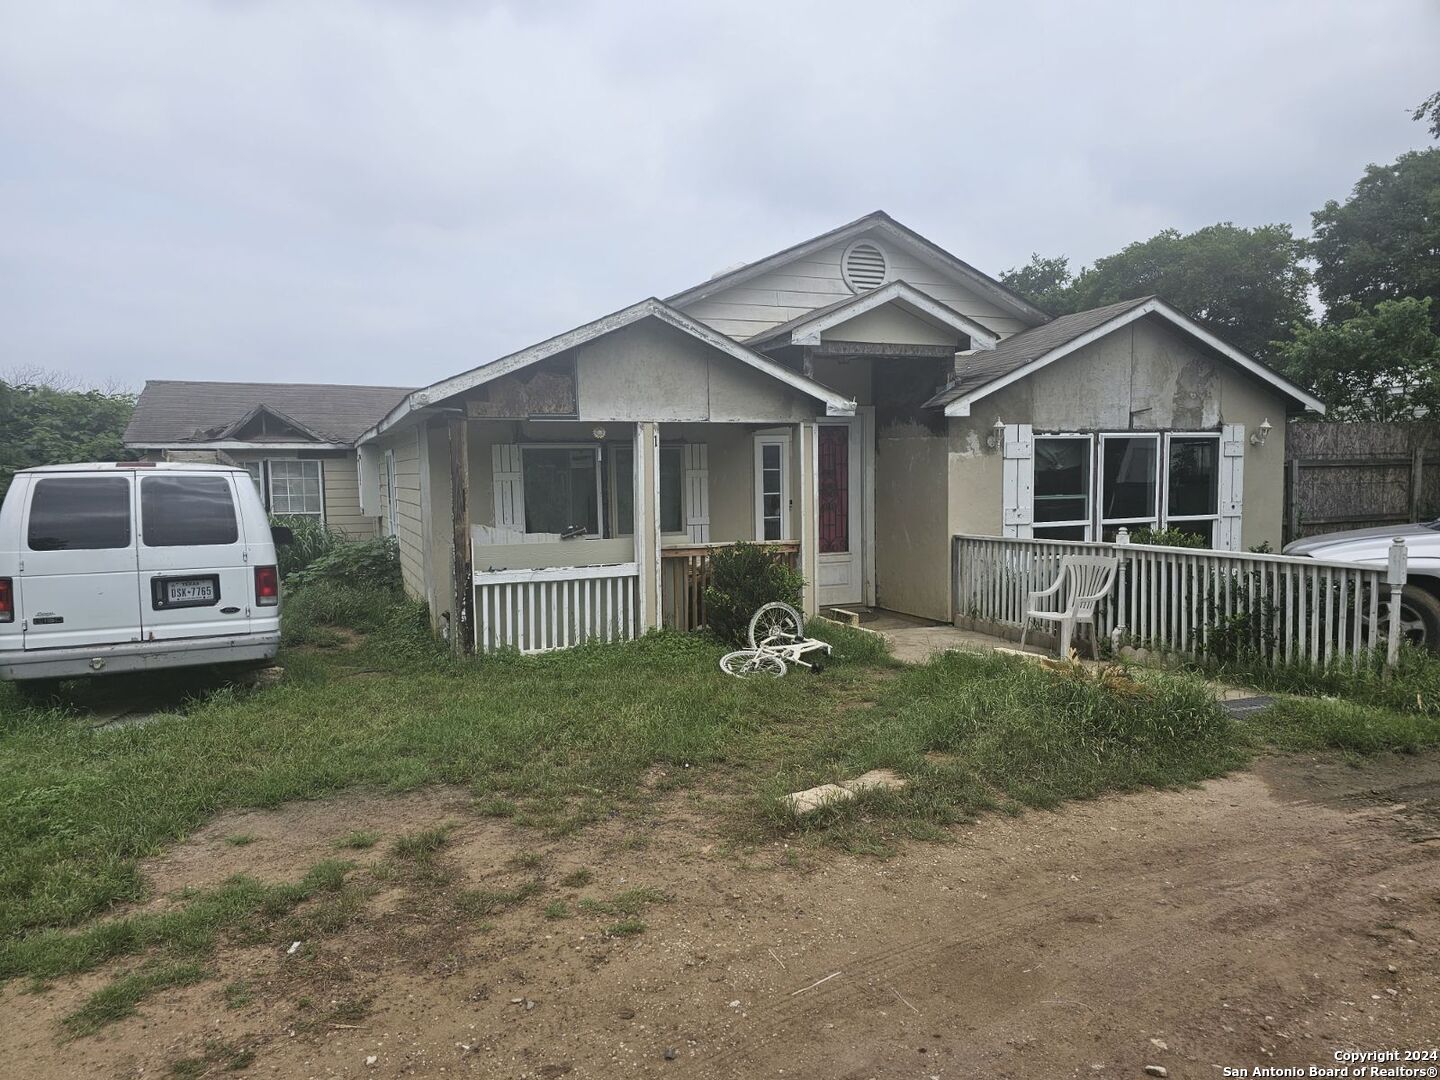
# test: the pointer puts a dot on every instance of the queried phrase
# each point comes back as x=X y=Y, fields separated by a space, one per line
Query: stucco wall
x=1143 y=377
x=651 y=371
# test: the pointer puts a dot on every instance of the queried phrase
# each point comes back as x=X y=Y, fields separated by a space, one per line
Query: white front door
x=840 y=503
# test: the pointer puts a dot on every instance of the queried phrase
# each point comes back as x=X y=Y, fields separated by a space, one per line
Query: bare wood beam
x=462 y=617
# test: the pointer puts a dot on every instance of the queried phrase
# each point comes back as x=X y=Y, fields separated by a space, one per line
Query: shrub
x=312 y=539
x=1166 y=538
x=361 y=564
x=747 y=576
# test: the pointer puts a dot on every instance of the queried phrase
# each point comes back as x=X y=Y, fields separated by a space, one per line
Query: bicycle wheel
x=747 y=663
x=776 y=622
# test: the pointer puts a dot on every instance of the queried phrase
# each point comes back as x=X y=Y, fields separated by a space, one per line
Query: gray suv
x=1420 y=602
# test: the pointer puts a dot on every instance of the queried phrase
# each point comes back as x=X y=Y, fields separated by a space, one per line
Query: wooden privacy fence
x=539 y=610
x=1354 y=475
x=685 y=573
x=1197 y=602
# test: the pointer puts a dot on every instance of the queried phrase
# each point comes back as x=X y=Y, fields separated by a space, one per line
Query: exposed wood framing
x=462 y=632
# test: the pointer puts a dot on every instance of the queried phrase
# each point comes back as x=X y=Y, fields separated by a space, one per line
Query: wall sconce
x=997 y=434
x=1258 y=437
x=598 y=432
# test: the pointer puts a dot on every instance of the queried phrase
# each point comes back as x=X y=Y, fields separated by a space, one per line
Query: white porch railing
x=1198 y=602
x=555 y=608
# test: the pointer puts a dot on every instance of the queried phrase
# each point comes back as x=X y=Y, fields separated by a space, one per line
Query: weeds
x=122 y=997
x=629 y=902
x=577 y=879
x=477 y=903
x=359 y=841
x=625 y=928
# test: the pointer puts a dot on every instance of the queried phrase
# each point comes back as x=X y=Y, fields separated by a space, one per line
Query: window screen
x=1130 y=479
x=672 y=492
x=560 y=490
x=80 y=513
x=1194 y=476
x=622 y=488
x=187 y=511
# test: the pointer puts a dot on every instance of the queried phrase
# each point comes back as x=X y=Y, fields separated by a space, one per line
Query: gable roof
x=236 y=430
x=807 y=328
x=878 y=221
x=1029 y=351
x=174 y=413
x=836 y=403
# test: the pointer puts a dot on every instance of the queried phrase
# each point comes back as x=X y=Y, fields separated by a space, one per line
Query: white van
x=134 y=566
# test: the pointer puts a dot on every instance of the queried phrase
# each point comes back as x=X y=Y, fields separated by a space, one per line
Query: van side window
x=187 y=511
x=80 y=513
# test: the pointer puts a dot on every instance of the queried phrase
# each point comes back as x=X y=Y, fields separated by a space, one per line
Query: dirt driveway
x=1269 y=918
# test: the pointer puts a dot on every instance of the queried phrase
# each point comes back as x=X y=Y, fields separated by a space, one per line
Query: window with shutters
x=1088 y=487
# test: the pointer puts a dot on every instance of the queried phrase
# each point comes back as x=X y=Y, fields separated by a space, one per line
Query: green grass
x=359 y=841
x=557 y=909
x=189 y=928
x=563 y=737
x=476 y=903
x=122 y=997
x=557 y=741
x=1320 y=724
x=241 y=839
x=1413 y=686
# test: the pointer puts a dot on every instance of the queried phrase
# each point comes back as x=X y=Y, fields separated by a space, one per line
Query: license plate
x=200 y=591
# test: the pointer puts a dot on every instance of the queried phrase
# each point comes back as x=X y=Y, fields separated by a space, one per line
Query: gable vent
x=864 y=266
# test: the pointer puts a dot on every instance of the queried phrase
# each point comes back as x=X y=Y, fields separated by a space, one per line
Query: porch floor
x=914 y=640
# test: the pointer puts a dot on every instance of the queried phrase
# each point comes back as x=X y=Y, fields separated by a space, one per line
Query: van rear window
x=80 y=513
x=187 y=511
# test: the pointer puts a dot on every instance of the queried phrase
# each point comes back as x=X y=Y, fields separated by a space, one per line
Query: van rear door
x=77 y=562
x=195 y=580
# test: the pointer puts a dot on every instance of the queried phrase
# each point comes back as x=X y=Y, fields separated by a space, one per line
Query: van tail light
x=267 y=586
x=7 y=600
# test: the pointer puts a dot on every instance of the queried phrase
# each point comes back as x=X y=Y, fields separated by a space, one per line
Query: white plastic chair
x=1085 y=580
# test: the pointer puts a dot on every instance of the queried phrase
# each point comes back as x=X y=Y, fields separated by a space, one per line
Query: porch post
x=462 y=633
x=647 y=522
x=806 y=458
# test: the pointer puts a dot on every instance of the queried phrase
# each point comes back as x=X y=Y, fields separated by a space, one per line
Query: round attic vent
x=864 y=266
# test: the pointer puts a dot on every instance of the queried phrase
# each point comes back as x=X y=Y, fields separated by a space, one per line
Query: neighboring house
x=858 y=398
x=297 y=441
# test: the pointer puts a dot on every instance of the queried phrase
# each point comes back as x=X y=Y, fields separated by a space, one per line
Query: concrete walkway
x=913 y=641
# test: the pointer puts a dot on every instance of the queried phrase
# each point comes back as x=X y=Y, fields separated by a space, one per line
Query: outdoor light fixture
x=598 y=432
x=1258 y=438
x=997 y=434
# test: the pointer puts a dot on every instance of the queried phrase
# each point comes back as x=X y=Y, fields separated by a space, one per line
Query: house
x=856 y=399
x=297 y=441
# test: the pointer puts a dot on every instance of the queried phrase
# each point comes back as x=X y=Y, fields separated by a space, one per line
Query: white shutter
x=509 y=487
x=367 y=476
x=697 y=492
x=1231 y=486
x=1018 y=481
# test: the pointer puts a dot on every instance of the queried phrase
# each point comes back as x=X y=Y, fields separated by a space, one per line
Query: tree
x=1044 y=282
x=1379 y=365
x=1383 y=243
x=1246 y=285
x=48 y=426
x=1429 y=109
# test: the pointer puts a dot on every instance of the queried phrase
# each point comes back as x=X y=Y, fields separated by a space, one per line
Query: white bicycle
x=777 y=639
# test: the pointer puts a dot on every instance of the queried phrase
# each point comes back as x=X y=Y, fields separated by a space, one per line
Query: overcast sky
x=394 y=192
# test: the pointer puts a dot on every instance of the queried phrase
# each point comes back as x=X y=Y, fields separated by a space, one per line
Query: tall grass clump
x=311 y=539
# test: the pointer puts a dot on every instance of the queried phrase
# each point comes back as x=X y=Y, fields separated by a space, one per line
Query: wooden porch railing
x=685 y=572
x=1284 y=609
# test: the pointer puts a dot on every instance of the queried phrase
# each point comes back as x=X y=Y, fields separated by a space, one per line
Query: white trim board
x=236 y=444
x=836 y=404
x=961 y=405
x=906 y=297
x=892 y=231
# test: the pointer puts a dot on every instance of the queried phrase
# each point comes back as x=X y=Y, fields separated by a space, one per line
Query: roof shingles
x=171 y=411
